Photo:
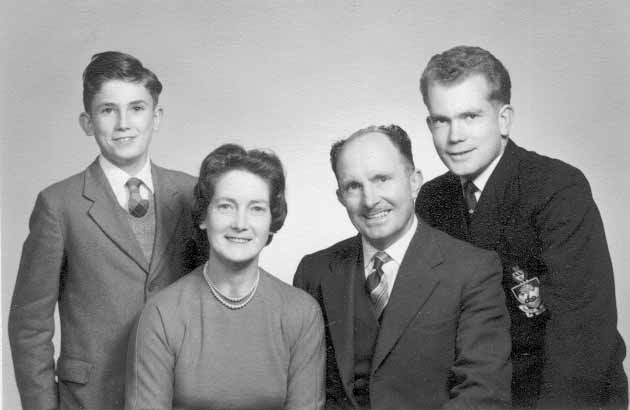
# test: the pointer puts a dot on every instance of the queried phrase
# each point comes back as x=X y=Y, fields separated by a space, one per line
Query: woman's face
x=239 y=217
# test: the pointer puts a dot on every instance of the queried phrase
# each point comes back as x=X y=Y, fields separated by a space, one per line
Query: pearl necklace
x=229 y=302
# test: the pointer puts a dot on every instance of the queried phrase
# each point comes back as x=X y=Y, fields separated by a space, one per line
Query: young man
x=539 y=215
x=100 y=243
x=414 y=319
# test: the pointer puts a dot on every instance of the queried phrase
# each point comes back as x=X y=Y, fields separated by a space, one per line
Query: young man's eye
x=106 y=110
x=138 y=108
x=470 y=116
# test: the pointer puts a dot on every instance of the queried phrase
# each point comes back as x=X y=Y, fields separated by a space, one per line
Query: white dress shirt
x=117 y=179
x=396 y=252
x=481 y=180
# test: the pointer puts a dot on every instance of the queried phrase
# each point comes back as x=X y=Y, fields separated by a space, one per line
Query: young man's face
x=469 y=131
x=377 y=188
x=122 y=119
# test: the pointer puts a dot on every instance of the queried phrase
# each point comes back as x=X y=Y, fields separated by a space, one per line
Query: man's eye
x=437 y=122
x=224 y=206
x=353 y=186
x=382 y=178
x=138 y=108
x=106 y=110
x=470 y=116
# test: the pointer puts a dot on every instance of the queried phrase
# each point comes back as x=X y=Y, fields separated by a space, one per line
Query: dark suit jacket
x=444 y=339
x=538 y=213
x=82 y=255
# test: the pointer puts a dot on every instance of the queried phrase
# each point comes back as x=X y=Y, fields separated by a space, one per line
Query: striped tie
x=376 y=284
x=138 y=207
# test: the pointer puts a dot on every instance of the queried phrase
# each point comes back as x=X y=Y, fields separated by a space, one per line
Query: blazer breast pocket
x=431 y=324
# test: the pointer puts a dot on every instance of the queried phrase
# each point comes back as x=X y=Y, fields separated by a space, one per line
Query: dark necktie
x=469 y=196
x=137 y=206
x=376 y=284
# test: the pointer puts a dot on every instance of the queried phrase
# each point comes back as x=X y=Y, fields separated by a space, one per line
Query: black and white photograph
x=307 y=205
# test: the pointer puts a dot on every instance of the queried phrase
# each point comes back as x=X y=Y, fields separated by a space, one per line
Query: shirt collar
x=396 y=251
x=481 y=180
x=118 y=178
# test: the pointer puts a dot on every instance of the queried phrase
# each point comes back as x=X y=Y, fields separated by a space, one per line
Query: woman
x=229 y=335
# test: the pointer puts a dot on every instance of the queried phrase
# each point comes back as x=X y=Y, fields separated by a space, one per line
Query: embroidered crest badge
x=527 y=293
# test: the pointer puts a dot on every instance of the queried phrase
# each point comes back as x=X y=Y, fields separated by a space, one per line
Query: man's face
x=377 y=188
x=122 y=119
x=469 y=131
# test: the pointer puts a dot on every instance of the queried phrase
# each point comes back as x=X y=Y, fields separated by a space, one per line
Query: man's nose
x=370 y=196
x=456 y=132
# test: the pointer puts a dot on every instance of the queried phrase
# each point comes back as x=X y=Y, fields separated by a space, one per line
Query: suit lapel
x=488 y=217
x=168 y=213
x=414 y=284
x=338 y=295
x=108 y=215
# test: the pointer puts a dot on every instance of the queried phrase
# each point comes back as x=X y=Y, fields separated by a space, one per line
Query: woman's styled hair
x=230 y=157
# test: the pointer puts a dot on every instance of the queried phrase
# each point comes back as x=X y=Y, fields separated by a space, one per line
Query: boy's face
x=122 y=119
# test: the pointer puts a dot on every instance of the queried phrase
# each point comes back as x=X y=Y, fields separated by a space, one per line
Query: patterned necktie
x=376 y=284
x=137 y=205
x=469 y=196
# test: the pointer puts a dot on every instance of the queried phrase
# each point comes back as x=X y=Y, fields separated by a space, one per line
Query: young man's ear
x=340 y=197
x=85 y=121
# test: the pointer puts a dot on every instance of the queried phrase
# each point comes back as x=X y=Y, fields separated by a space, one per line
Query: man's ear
x=340 y=197
x=158 y=113
x=85 y=121
x=506 y=116
x=416 y=182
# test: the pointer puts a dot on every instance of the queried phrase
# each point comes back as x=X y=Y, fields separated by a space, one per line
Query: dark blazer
x=444 y=339
x=82 y=255
x=538 y=214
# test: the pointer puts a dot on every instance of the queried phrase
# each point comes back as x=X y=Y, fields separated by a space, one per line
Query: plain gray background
x=294 y=76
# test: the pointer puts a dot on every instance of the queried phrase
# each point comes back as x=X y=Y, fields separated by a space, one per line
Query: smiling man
x=538 y=214
x=100 y=243
x=414 y=319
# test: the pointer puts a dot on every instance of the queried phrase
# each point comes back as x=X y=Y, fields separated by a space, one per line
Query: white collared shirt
x=396 y=251
x=117 y=179
x=481 y=180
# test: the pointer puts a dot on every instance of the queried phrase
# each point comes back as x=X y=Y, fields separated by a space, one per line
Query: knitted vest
x=144 y=229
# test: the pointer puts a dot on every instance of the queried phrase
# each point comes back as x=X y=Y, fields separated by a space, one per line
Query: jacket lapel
x=107 y=214
x=414 y=284
x=338 y=295
x=488 y=217
x=168 y=213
